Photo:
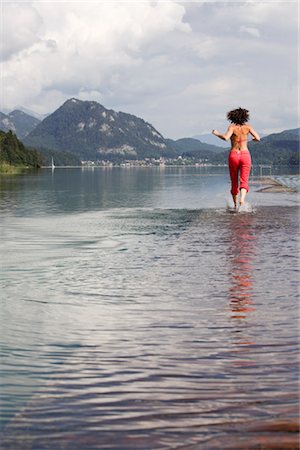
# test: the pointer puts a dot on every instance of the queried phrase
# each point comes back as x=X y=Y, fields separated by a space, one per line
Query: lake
x=137 y=312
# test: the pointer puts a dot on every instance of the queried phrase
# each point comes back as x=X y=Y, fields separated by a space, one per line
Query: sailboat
x=52 y=164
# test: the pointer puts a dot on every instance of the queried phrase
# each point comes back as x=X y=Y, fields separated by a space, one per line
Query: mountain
x=277 y=148
x=34 y=114
x=18 y=122
x=190 y=147
x=93 y=132
x=24 y=123
x=6 y=123
x=13 y=152
x=60 y=158
x=209 y=138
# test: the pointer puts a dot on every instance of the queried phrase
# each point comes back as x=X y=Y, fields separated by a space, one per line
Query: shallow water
x=291 y=181
x=138 y=313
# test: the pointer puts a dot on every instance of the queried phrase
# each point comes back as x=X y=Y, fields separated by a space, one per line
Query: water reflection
x=114 y=330
x=90 y=189
x=241 y=253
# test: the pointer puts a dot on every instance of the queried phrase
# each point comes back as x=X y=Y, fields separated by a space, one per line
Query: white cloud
x=179 y=65
x=250 y=30
x=83 y=46
x=20 y=28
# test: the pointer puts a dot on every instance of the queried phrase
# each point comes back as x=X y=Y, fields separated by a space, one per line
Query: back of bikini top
x=240 y=134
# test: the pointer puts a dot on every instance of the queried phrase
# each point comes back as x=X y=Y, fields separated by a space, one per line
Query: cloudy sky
x=179 y=65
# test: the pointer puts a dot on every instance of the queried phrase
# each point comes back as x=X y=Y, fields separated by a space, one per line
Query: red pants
x=239 y=167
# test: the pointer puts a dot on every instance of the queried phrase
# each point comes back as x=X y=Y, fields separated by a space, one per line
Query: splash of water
x=245 y=208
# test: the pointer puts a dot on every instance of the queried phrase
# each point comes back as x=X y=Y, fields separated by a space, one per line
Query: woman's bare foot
x=235 y=200
x=243 y=196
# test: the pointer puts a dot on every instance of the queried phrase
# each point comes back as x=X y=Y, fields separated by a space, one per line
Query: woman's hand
x=215 y=132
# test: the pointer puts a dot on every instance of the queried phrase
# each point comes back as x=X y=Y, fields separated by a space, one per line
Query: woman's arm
x=226 y=136
x=255 y=135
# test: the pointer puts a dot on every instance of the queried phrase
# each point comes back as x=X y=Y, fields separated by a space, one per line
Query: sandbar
x=271 y=185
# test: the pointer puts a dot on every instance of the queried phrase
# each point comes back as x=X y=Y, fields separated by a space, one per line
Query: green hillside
x=60 y=158
x=190 y=147
x=277 y=149
x=14 y=153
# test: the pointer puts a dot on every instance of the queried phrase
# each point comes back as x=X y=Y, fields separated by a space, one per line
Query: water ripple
x=161 y=329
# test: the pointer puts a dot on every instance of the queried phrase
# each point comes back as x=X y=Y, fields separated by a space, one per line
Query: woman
x=239 y=159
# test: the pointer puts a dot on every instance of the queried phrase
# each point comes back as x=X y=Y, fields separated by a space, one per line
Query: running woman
x=239 y=159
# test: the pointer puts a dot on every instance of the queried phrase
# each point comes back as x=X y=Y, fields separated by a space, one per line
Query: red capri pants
x=239 y=167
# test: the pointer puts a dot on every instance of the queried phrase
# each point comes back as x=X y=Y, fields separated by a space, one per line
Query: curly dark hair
x=238 y=116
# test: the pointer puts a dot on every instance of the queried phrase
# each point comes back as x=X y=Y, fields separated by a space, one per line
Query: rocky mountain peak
x=92 y=131
x=18 y=122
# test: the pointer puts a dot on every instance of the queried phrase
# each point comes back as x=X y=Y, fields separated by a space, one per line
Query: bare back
x=239 y=137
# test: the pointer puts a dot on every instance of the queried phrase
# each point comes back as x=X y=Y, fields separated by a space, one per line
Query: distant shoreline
x=8 y=169
x=126 y=166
